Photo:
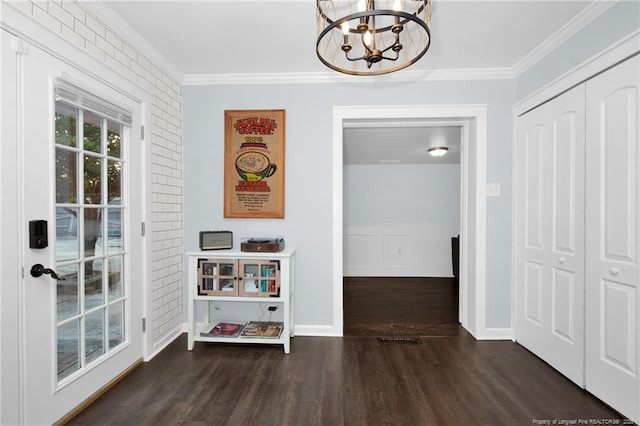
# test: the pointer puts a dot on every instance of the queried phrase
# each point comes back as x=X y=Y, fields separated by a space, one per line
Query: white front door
x=613 y=237
x=80 y=172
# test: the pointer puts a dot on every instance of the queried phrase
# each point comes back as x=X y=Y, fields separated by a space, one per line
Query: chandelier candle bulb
x=367 y=38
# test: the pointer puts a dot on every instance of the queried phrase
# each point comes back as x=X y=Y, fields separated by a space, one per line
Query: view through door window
x=92 y=299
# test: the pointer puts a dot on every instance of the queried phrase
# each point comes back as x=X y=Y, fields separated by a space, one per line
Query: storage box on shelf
x=235 y=276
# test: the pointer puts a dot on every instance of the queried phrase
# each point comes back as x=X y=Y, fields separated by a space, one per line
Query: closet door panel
x=534 y=148
x=550 y=232
x=618 y=149
x=532 y=239
x=613 y=128
x=534 y=283
x=567 y=169
x=564 y=307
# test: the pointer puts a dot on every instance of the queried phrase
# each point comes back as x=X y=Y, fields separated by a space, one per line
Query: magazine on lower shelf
x=262 y=329
x=223 y=329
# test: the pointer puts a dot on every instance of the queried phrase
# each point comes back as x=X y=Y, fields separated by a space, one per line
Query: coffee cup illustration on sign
x=254 y=166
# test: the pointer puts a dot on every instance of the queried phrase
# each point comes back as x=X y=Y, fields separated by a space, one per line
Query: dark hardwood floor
x=400 y=306
x=441 y=376
x=345 y=381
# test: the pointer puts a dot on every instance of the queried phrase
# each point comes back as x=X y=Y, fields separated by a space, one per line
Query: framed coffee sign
x=254 y=163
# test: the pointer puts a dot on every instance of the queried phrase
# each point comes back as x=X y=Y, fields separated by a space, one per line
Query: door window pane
x=92 y=180
x=67 y=292
x=92 y=230
x=68 y=353
x=116 y=324
x=114 y=226
x=66 y=176
x=114 y=130
x=115 y=231
x=67 y=243
x=114 y=181
x=115 y=273
x=94 y=335
x=92 y=132
x=93 y=290
x=66 y=125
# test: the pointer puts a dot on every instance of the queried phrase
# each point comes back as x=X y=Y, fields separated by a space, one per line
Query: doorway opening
x=401 y=219
x=472 y=119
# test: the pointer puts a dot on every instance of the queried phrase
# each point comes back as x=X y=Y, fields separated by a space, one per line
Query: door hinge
x=142 y=229
x=141 y=132
x=144 y=325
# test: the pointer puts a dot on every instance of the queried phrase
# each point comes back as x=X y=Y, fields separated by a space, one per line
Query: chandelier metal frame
x=384 y=43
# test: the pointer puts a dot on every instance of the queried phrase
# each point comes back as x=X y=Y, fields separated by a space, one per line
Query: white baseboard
x=166 y=340
x=495 y=334
x=332 y=331
x=318 y=330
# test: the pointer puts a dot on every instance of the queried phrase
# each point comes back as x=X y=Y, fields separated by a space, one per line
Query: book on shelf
x=223 y=329
x=263 y=329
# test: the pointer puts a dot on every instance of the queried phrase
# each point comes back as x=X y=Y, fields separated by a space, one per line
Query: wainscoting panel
x=359 y=250
x=396 y=251
x=399 y=250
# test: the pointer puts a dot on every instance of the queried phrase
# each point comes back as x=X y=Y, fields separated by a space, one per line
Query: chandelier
x=372 y=37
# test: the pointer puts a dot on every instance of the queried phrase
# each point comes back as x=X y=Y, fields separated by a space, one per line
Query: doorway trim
x=473 y=203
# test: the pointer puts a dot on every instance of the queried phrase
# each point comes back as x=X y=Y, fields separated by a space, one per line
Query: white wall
x=411 y=193
x=307 y=225
x=309 y=199
x=399 y=219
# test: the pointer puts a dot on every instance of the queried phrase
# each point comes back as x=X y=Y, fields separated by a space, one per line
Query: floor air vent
x=399 y=341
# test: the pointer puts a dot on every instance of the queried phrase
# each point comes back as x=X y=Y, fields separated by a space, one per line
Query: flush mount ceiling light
x=372 y=37
x=438 y=151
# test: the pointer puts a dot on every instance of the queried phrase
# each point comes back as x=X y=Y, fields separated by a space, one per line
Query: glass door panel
x=217 y=278
x=92 y=300
x=249 y=279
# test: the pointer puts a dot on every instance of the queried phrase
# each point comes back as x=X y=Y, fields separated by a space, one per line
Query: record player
x=266 y=245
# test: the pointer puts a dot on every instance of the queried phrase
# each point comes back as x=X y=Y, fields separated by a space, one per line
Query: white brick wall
x=77 y=25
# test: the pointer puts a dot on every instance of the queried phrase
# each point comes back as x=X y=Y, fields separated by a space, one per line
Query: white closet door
x=613 y=239
x=532 y=238
x=566 y=205
x=551 y=233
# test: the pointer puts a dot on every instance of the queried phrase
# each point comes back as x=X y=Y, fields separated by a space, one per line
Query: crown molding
x=334 y=77
x=618 y=52
x=105 y=14
x=581 y=20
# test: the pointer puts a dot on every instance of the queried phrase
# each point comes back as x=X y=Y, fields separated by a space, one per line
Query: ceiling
x=278 y=36
x=400 y=141
x=218 y=38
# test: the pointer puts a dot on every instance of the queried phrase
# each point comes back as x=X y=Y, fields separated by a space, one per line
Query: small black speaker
x=216 y=240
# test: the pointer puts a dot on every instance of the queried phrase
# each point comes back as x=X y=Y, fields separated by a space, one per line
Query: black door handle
x=37 y=270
